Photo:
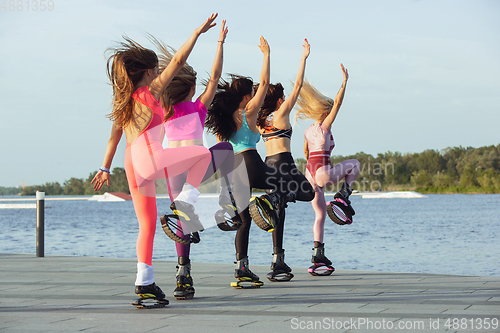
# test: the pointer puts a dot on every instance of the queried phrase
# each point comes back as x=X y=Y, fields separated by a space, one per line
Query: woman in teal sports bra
x=232 y=117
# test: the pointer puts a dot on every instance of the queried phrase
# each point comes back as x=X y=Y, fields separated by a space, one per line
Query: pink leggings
x=146 y=163
x=326 y=176
x=223 y=160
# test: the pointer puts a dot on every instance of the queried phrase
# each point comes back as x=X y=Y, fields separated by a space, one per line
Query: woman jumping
x=137 y=87
x=184 y=125
x=317 y=149
x=276 y=130
x=232 y=117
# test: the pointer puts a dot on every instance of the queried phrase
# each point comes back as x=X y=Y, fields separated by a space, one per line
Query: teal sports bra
x=244 y=138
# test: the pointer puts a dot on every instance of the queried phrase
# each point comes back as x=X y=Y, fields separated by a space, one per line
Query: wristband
x=104 y=169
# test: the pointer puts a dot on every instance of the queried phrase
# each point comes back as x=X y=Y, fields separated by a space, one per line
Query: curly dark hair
x=274 y=93
x=226 y=101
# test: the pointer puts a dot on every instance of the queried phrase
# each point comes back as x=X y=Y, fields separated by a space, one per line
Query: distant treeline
x=75 y=186
x=452 y=170
x=118 y=183
x=9 y=190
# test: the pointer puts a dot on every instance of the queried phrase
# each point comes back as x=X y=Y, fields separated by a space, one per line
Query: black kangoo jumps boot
x=246 y=278
x=344 y=194
x=150 y=297
x=184 y=280
x=280 y=271
x=322 y=266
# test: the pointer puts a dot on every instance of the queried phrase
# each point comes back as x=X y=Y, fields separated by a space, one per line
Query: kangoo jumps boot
x=186 y=214
x=280 y=271
x=149 y=293
x=226 y=200
x=344 y=194
x=322 y=266
x=184 y=289
x=246 y=278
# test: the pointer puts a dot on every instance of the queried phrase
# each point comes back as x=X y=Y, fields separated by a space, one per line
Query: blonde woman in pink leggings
x=320 y=173
x=137 y=111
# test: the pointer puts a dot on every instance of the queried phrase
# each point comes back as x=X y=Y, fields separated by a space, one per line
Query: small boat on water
x=111 y=197
x=390 y=195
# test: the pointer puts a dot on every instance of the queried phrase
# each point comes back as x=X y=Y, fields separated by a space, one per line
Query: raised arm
x=338 y=101
x=162 y=81
x=289 y=103
x=208 y=95
x=102 y=176
x=255 y=103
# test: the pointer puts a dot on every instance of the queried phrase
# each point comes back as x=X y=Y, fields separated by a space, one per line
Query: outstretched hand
x=209 y=23
x=344 y=70
x=307 y=49
x=100 y=178
x=223 y=32
x=264 y=47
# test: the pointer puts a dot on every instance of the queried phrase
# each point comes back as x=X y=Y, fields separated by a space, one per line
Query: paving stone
x=62 y=294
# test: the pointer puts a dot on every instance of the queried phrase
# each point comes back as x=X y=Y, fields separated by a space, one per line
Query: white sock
x=145 y=274
x=188 y=194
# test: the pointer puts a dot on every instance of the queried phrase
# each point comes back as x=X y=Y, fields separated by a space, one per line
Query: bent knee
x=355 y=164
x=350 y=164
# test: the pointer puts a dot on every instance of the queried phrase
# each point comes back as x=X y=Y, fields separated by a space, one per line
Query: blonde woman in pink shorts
x=318 y=146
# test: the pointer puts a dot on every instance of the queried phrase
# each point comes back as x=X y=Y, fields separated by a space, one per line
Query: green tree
x=74 y=186
x=10 y=190
x=443 y=179
x=489 y=179
x=119 y=180
x=53 y=188
x=431 y=161
x=468 y=177
x=452 y=157
x=28 y=190
x=395 y=168
x=421 y=178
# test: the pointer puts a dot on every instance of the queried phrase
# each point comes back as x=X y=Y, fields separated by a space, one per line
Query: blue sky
x=423 y=74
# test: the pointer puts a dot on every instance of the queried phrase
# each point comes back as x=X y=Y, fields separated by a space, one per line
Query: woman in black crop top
x=274 y=125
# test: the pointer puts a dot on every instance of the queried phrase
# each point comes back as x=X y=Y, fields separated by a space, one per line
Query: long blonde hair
x=125 y=68
x=311 y=103
x=181 y=84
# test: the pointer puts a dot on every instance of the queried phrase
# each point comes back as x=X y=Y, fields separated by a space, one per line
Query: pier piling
x=40 y=223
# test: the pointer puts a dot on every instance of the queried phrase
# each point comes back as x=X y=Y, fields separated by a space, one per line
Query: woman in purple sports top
x=184 y=124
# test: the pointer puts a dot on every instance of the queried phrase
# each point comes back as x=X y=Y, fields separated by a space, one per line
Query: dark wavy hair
x=274 y=93
x=226 y=101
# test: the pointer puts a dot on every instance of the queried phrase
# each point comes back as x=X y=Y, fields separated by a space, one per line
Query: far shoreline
x=49 y=197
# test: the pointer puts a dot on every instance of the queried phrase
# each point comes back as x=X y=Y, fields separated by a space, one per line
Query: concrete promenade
x=70 y=294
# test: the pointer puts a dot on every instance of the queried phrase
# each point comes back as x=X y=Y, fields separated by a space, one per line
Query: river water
x=444 y=234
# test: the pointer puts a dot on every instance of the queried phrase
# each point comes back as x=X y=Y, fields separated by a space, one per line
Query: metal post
x=40 y=223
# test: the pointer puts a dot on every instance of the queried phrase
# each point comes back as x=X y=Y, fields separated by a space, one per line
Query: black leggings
x=284 y=163
x=251 y=172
